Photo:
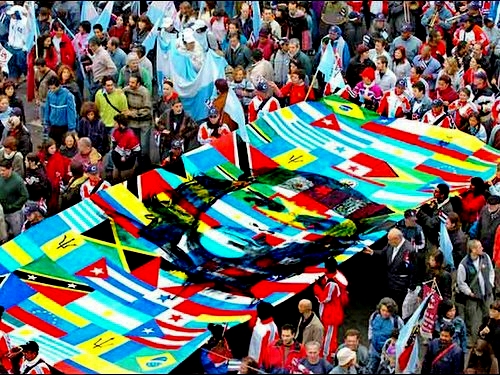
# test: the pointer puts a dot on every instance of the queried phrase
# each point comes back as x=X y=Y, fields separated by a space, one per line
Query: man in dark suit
x=398 y=256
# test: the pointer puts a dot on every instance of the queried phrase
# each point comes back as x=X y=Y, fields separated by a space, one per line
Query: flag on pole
x=156 y=14
x=201 y=6
x=326 y=64
x=445 y=243
x=256 y=21
x=234 y=109
x=32 y=31
x=89 y=13
x=135 y=7
x=104 y=18
x=408 y=343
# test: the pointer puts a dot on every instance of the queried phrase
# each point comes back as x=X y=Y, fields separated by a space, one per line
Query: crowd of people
x=106 y=118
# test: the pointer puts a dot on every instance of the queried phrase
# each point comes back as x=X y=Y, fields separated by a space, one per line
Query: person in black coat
x=357 y=64
x=489 y=330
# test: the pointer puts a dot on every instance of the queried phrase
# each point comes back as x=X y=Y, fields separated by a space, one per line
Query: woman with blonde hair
x=451 y=69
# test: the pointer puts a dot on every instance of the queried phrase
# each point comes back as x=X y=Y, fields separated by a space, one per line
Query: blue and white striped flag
x=234 y=109
x=135 y=7
x=256 y=21
x=32 y=31
x=326 y=64
x=167 y=9
x=445 y=244
x=89 y=13
x=104 y=18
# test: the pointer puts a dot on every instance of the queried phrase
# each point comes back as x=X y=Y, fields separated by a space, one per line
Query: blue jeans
x=17 y=64
x=373 y=361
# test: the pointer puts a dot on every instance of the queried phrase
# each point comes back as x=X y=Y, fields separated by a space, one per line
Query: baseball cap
x=493 y=200
x=188 y=36
x=16 y=112
x=345 y=355
x=92 y=169
x=380 y=17
x=354 y=16
x=262 y=86
x=411 y=213
x=361 y=48
x=437 y=103
x=177 y=143
x=474 y=5
x=401 y=83
x=438 y=2
x=487 y=20
x=407 y=27
x=213 y=112
x=31 y=207
x=481 y=74
x=335 y=29
x=31 y=346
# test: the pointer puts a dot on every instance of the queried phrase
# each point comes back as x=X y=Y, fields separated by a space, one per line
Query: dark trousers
x=398 y=296
x=57 y=134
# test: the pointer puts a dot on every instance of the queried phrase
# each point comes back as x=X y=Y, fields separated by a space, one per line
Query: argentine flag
x=32 y=31
x=104 y=18
x=193 y=88
x=89 y=13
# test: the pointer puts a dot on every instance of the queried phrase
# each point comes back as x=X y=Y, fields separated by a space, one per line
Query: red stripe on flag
x=155 y=345
x=447 y=176
x=165 y=325
x=413 y=139
x=487 y=155
x=265 y=288
x=119 y=220
x=36 y=322
x=178 y=338
x=6 y=328
x=196 y=309
x=66 y=368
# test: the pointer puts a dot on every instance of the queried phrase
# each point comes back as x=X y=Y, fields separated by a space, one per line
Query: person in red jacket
x=295 y=90
x=57 y=168
x=395 y=103
x=265 y=44
x=331 y=293
x=64 y=47
x=473 y=200
x=445 y=91
x=280 y=355
x=126 y=149
x=47 y=51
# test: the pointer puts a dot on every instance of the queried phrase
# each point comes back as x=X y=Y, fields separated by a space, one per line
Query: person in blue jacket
x=443 y=356
x=60 y=111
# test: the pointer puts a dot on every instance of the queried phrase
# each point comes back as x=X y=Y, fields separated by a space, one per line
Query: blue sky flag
x=32 y=31
x=89 y=13
x=445 y=243
x=234 y=109
x=104 y=18
x=408 y=345
x=326 y=65
x=257 y=22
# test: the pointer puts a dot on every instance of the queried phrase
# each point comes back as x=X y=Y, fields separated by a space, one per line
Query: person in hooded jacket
x=36 y=180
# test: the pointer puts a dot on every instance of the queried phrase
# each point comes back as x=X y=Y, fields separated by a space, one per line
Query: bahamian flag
x=326 y=64
x=32 y=31
x=193 y=88
x=408 y=343
x=89 y=13
x=257 y=22
x=234 y=109
x=445 y=243
x=104 y=18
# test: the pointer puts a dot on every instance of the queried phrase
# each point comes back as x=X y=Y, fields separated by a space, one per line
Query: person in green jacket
x=13 y=196
x=133 y=68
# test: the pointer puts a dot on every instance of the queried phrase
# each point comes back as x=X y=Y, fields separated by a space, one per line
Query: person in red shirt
x=444 y=91
x=295 y=90
x=280 y=355
x=437 y=44
x=126 y=149
x=437 y=116
x=265 y=44
x=473 y=200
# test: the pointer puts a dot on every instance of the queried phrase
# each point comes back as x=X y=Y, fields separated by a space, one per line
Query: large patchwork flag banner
x=127 y=281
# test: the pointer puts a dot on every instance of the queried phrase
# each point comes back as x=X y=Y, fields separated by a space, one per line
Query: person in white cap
x=347 y=361
x=188 y=45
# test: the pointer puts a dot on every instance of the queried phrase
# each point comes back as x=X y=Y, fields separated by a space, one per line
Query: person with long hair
x=9 y=88
x=436 y=270
x=473 y=201
x=67 y=78
x=490 y=327
x=144 y=26
x=462 y=108
x=56 y=166
x=47 y=52
x=400 y=64
x=451 y=69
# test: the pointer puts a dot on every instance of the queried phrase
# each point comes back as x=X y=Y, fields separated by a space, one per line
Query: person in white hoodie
x=188 y=45
x=16 y=43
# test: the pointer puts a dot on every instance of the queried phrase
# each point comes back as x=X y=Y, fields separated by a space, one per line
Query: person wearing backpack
x=381 y=324
x=331 y=293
